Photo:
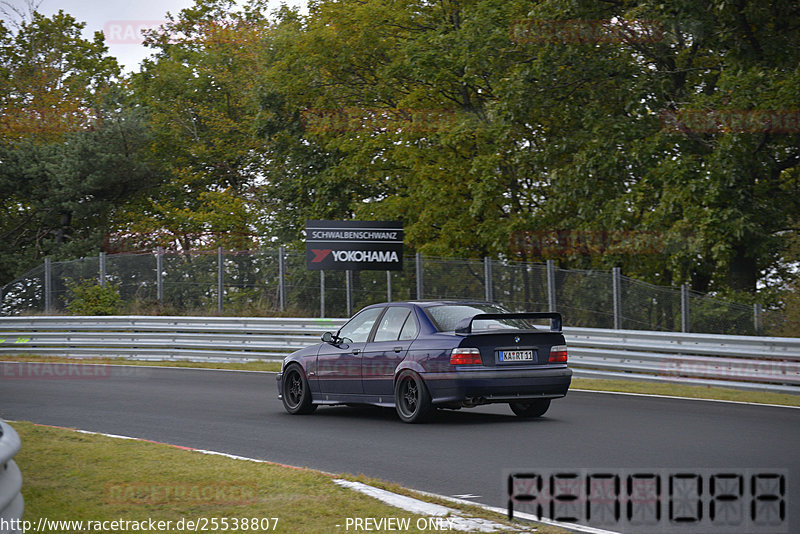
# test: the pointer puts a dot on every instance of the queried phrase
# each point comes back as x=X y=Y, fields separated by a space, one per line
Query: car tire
x=296 y=393
x=411 y=398
x=531 y=408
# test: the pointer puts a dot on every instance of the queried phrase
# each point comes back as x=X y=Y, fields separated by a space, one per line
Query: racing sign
x=354 y=245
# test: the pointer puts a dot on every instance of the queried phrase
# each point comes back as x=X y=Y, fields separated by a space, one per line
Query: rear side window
x=447 y=317
x=392 y=323
x=410 y=329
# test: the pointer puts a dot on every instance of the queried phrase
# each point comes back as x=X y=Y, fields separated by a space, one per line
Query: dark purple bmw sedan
x=419 y=356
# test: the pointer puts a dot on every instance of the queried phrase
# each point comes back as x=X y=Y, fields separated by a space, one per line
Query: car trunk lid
x=512 y=347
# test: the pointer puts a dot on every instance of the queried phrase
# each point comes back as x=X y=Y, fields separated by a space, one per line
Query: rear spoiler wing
x=465 y=326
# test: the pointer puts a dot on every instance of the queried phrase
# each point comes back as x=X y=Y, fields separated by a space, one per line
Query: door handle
x=356 y=351
x=398 y=349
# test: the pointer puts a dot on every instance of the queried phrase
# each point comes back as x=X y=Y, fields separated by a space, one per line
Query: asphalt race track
x=459 y=453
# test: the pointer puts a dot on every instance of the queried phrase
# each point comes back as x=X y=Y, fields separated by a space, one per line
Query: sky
x=120 y=20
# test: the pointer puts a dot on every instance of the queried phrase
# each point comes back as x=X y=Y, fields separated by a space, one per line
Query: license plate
x=516 y=355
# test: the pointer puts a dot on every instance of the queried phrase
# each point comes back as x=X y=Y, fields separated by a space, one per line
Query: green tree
x=198 y=90
x=721 y=197
x=71 y=150
x=382 y=108
x=53 y=80
x=63 y=197
x=557 y=116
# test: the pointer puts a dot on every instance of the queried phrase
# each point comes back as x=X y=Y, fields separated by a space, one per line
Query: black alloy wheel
x=296 y=394
x=530 y=408
x=411 y=397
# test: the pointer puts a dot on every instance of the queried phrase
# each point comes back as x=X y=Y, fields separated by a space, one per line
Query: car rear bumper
x=489 y=386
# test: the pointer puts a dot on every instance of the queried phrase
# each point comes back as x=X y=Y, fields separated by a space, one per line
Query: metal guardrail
x=763 y=363
x=158 y=338
x=749 y=362
x=11 y=502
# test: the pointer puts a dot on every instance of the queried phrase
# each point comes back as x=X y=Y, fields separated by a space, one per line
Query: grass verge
x=681 y=390
x=79 y=477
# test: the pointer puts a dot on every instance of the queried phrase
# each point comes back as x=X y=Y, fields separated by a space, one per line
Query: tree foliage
x=89 y=298
x=541 y=127
x=199 y=91
x=70 y=150
x=53 y=80
x=472 y=121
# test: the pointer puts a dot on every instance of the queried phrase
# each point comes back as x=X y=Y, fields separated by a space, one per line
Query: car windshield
x=446 y=317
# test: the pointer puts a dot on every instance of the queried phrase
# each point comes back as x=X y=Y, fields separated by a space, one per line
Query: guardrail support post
x=281 y=283
x=347 y=285
x=388 y=286
x=160 y=274
x=487 y=278
x=48 y=285
x=684 y=308
x=220 y=279
x=551 y=285
x=616 y=290
x=322 y=294
x=419 y=275
x=102 y=269
x=757 y=311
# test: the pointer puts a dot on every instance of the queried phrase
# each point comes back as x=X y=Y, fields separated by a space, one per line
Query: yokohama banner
x=354 y=245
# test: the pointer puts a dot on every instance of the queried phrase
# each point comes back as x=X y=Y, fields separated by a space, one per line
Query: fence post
x=419 y=275
x=684 y=308
x=388 y=286
x=347 y=275
x=48 y=285
x=757 y=310
x=616 y=290
x=220 y=279
x=487 y=279
x=551 y=285
x=102 y=269
x=160 y=274
x=322 y=294
x=281 y=284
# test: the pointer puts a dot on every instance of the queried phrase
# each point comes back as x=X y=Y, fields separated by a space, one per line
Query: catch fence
x=276 y=282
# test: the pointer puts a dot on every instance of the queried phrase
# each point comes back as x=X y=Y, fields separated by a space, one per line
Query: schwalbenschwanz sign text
x=354 y=245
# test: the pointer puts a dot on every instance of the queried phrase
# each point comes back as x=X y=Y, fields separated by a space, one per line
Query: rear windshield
x=447 y=316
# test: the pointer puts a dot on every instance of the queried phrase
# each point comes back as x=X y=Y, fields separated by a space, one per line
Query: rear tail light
x=558 y=353
x=465 y=357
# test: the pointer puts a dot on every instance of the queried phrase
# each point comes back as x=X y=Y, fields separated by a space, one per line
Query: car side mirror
x=327 y=337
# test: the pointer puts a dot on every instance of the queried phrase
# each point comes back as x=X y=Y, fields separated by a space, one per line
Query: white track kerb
x=439 y=517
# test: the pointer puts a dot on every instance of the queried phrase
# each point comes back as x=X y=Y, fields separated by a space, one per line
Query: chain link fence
x=276 y=282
